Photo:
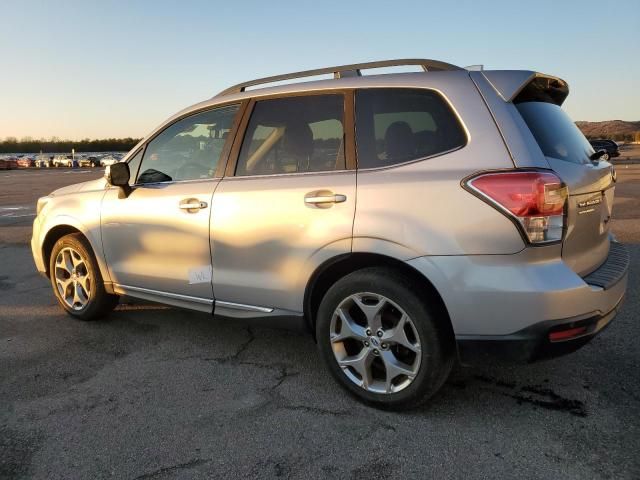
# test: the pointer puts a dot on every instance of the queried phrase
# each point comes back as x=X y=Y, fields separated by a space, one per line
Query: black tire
x=100 y=303
x=434 y=332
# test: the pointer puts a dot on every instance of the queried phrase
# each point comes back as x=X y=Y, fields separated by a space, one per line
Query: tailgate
x=590 y=184
x=591 y=190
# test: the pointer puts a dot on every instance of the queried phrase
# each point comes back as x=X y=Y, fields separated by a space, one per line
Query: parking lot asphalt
x=160 y=393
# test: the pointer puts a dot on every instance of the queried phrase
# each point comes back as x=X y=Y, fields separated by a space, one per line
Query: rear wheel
x=381 y=340
x=76 y=279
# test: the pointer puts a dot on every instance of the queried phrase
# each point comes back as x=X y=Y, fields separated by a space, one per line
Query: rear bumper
x=540 y=341
x=503 y=307
x=532 y=343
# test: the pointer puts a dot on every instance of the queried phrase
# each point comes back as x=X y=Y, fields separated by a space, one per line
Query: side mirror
x=118 y=176
x=595 y=157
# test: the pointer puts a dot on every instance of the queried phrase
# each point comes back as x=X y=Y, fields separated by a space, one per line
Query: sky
x=98 y=69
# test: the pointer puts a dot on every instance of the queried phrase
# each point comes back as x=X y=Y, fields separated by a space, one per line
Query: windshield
x=555 y=132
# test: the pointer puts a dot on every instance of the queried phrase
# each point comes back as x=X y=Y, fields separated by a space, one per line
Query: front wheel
x=606 y=157
x=381 y=339
x=76 y=280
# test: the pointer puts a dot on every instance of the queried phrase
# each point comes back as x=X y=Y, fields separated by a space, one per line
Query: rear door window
x=294 y=135
x=555 y=132
x=396 y=125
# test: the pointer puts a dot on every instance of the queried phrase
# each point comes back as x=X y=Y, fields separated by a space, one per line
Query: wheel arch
x=337 y=267
x=50 y=239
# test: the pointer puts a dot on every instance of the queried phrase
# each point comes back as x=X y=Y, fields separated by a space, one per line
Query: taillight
x=536 y=200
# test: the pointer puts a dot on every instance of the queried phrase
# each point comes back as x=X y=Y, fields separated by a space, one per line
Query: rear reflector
x=567 y=334
x=536 y=200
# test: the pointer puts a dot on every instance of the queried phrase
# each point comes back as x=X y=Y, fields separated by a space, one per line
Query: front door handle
x=192 y=205
x=325 y=199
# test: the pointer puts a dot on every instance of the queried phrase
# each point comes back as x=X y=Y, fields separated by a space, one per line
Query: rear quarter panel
x=420 y=208
x=517 y=137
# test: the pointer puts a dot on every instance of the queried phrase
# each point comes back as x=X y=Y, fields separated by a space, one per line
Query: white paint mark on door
x=200 y=274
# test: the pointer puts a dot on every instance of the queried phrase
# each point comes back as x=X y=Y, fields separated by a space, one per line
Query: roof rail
x=343 y=71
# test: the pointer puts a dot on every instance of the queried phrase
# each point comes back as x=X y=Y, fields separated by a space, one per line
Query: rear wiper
x=597 y=155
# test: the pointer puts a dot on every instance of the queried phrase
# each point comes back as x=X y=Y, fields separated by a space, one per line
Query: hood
x=97 y=184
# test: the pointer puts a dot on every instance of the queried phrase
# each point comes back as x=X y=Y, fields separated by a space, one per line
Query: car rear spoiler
x=527 y=86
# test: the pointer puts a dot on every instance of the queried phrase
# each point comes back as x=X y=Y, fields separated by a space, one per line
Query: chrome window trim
x=291 y=174
x=408 y=162
x=203 y=180
x=258 y=95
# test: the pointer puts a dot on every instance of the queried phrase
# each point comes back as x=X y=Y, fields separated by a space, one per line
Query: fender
x=92 y=234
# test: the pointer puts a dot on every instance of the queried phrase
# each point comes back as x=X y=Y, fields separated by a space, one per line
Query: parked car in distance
x=11 y=163
x=481 y=232
x=43 y=161
x=63 y=161
x=611 y=147
x=108 y=160
x=26 y=162
x=90 y=161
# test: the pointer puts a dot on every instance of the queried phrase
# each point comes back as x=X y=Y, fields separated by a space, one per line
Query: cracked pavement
x=160 y=393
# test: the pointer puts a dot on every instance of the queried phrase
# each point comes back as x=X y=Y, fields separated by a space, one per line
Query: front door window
x=190 y=149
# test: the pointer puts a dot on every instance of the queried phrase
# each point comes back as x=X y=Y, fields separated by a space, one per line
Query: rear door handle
x=319 y=199
x=192 y=205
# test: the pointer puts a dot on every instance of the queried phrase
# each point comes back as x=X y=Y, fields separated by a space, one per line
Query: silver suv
x=406 y=220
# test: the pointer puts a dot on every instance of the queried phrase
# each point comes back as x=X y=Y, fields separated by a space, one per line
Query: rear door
x=591 y=184
x=286 y=205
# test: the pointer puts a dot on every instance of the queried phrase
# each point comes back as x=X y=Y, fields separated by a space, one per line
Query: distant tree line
x=618 y=137
x=56 y=145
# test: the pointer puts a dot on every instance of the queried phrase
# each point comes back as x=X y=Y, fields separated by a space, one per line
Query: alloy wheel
x=375 y=343
x=72 y=278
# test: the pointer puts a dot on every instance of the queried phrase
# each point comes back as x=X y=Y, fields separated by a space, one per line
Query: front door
x=286 y=206
x=156 y=240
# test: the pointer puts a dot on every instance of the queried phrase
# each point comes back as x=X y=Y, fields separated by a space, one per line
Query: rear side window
x=555 y=132
x=399 y=125
x=293 y=135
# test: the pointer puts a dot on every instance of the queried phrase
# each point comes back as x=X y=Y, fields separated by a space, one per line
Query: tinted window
x=399 y=125
x=297 y=134
x=188 y=149
x=555 y=132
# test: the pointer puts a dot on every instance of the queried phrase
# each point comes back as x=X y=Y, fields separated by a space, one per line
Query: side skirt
x=174 y=299
x=253 y=315
x=257 y=316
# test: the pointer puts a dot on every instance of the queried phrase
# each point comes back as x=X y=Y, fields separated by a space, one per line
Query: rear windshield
x=555 y=132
